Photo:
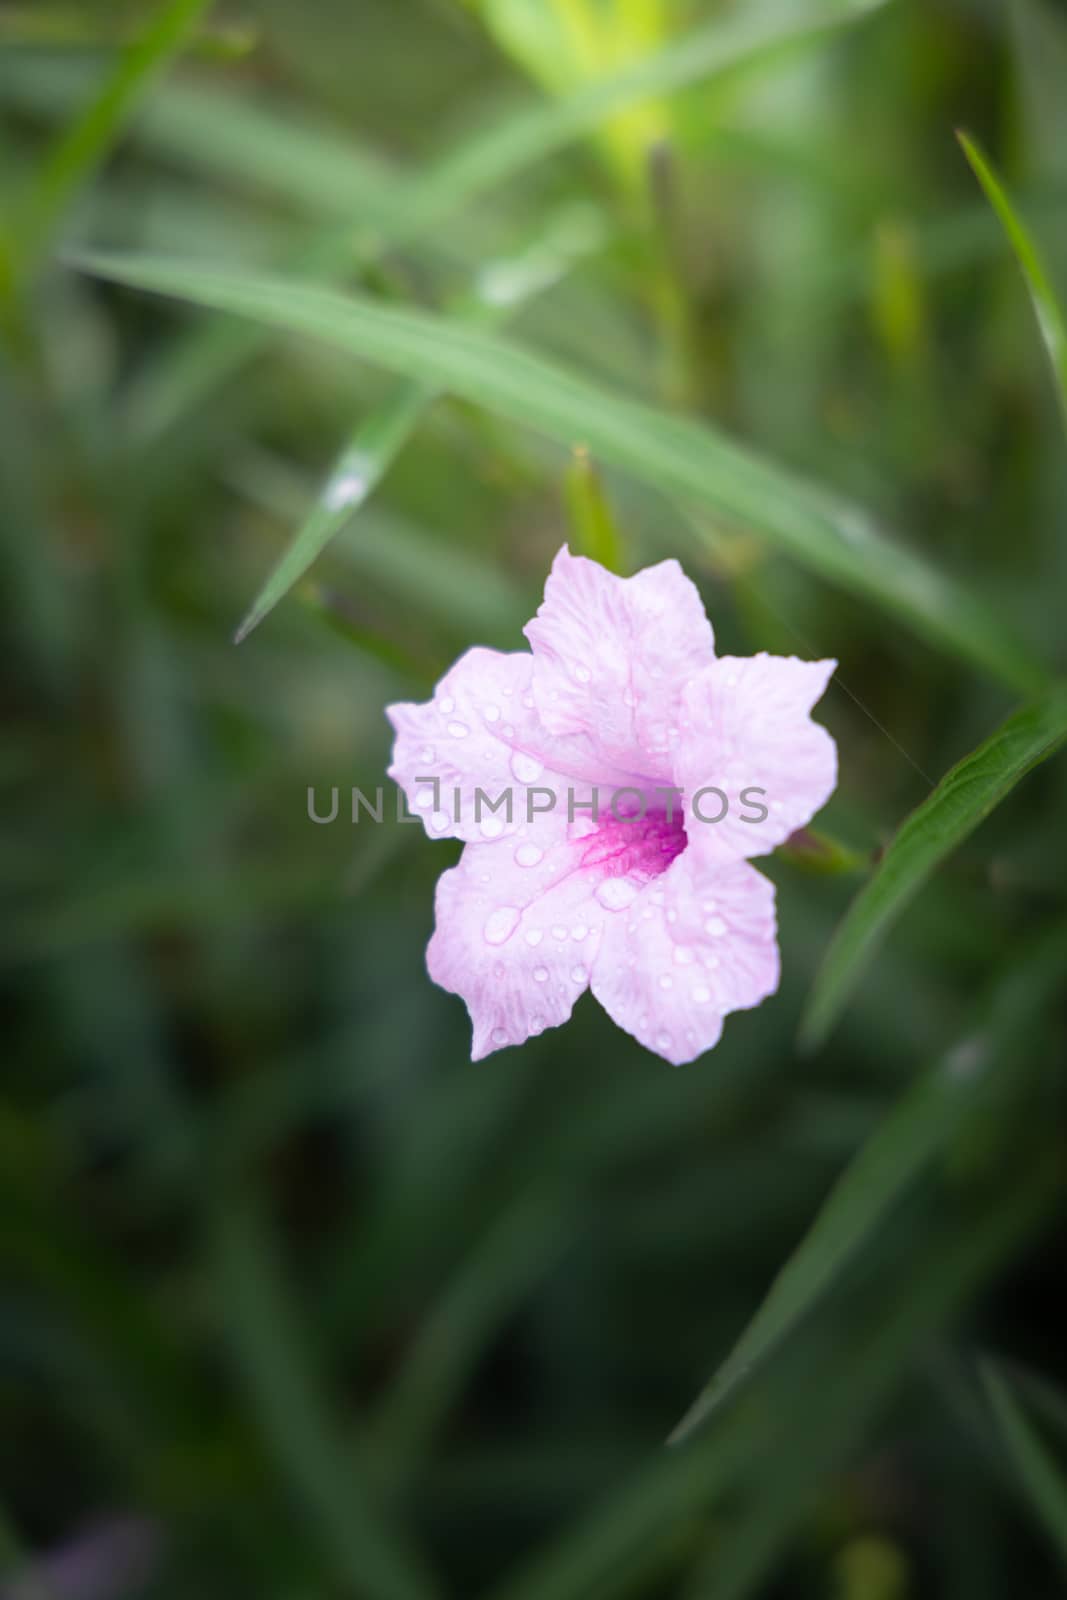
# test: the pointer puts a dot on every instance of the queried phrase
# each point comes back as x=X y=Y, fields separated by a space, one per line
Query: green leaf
x=1050 y=319
x=902 y=1147
x=962 y=800
x=1041 y=1476
x=595 y=532
x=86 y=143
x=688 y=460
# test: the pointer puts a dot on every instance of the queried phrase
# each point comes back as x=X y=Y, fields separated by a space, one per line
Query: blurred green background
x=296 y=1301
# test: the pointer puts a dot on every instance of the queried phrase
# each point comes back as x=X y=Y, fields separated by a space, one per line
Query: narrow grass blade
x=687 y=460
x=725 y=45
x=943 y=1277
x=368 y=455
x=295 y=1419
x=517 y=1249
x=86 y=143
x=1043 y=1479
x=963 y=799
x=634 y=1537
x=1047 y=309
x=903 y=1145
x=314 y=170
x=375 y=443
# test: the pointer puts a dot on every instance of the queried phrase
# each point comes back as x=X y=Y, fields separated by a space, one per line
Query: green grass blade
x=963 y=799
x=635 y=1535
x=931 y=1112
x=944 y=1276
x=196 y=126
x=375 y=443
x=294 y=1416
x=1041 y=1476
x=216 y=132
x=86 y=143
x=687 y=460
x=371 y=450
x=314 y=170
x=725 y=45
x=1047 y=309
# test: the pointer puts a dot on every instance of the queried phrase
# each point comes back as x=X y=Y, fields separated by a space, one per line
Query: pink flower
x=652 y=903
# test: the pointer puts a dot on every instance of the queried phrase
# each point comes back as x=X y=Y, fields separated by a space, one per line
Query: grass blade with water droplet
x=688 y=460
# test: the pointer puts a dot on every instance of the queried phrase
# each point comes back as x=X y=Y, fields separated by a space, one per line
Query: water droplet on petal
x=540 y=974
x=579 y=932
x=534 y=937
x=448 y=704
x=683 y=955
x=427 y=753
x=499 y=1036
x=583 y=674
x=663 y=1041
x=424 y=799
x=537 y=1025
x=491 y=713
x=439 y=821
x=501 y=924
x=701 y=995
x=458 y=730
x=491 y=827
x=526 y=768
x=666 y=982
x=559 y=931
x=616 y=893
x=579 y=975
x=528 y=855
x=715 y=926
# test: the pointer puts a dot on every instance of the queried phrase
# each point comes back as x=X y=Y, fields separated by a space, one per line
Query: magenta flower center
x=638 y=848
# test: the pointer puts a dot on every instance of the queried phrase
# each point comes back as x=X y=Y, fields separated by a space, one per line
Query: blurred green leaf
x=1043 y=1479
x=830 y=1400
x=684 y=458
x=934 y=1109
x=269 y=1345
x=312 y=167
x=962 y=800
x=87 y=141
x=1050 y=319
x=946 y=1270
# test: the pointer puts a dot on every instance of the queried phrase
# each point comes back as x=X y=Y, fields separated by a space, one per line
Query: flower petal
x=746 y=727
x=517 y=930
x=481 y=731
x=613 y=656
x=696 y=943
